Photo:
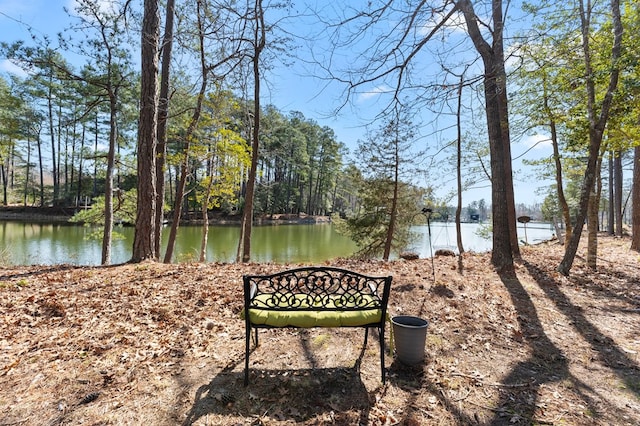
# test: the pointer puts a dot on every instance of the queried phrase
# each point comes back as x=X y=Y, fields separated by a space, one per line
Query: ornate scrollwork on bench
x=315 y=297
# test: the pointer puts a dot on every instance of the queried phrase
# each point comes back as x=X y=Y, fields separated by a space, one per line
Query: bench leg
x=381 y=336
x=247 y=350
x=246 y=354
x=382 y=370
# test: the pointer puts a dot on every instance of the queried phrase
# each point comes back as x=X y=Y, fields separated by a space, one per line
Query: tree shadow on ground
x=331 y=395
x=412 y=380
x=43 y=271
x=546 y=364
x=623 y=287
x=609 y=354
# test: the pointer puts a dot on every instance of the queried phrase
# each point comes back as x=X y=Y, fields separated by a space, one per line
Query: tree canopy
x=208 y=141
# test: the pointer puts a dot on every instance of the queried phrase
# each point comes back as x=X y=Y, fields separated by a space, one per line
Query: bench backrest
x=316 y=288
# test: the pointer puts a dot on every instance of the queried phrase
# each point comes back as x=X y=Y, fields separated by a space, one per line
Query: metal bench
x=315 y=297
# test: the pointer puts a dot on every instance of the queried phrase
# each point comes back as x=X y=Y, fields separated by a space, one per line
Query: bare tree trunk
x=59 y=151
x=596 y=123
x=53 y=143
x=72 y=169
x=592 y=232
x=108 y=190
x=80 y=164
x=562 y=200
x=41 y=169
x=3 y=176
x=67 y=179
x=635 y=203
x=394 y=201
x=94 y=190
x=193 y=124
x=205 y=221
x=163 y=113
x=144 y=239
x=593 y=224
x=459 y=167
x=12 y=165
x=259 y=40
x=27 y=172
x=505 y=237
x=177 y=207
x=611 y=207
x=617 y=202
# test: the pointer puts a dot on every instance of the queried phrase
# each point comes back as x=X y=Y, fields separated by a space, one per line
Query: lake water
x=47 y=244
x=444 y=236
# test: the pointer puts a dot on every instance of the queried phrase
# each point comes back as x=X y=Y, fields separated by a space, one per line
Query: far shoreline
x=62 y=215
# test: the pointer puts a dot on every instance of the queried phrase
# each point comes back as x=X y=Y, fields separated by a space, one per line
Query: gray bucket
x=409 y=335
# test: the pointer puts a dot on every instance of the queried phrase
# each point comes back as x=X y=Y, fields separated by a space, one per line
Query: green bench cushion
x=304 y=316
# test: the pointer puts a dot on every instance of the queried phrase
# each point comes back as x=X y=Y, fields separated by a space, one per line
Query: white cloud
x=106 y=7
x=376 y=91
x=11 y=68
x=455 y=23
x=537 y=141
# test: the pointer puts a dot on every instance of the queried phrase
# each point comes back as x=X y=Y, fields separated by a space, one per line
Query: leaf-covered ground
x=159 y=344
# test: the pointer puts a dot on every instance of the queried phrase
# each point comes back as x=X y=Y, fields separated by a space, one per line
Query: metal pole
x=524 y=220
x=427 y=213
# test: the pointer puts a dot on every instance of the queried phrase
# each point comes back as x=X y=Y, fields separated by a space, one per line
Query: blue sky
x=290 y=89
x=45 y=16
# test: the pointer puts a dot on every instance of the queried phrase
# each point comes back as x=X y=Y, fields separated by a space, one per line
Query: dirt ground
x=155 y=344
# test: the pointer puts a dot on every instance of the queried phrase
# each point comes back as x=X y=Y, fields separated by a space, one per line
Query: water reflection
x=38 y=243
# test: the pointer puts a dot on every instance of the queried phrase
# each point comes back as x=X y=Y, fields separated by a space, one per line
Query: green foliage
x=553 y=89
x=10 y=114
x=301 y=163
x=388 y=204
x=124 y=211
x=485 y=230
x=221 y=149
x=368 y=226
x=551 y=208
